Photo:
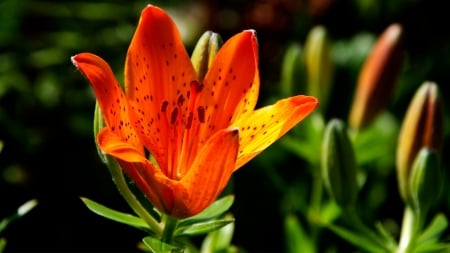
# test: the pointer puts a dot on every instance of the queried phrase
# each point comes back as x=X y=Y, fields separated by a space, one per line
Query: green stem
x=315 y=205
x=170 y=224
x=410 y=226
x=316 y=193
x=119 y=180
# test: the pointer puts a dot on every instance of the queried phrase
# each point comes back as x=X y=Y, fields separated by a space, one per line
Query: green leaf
x=431 y=234
x=297 y=240
x=329 y=212
x=385 y=234
x=203 y=227
x=375 y=145
x=216 y=209
x=358 y=240
x=436 y=248
x=117 y=216
x=158 y=246
x=2 y=244
x=219 y=240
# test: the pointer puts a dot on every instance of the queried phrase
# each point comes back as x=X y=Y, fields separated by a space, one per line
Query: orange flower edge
x=198 y=131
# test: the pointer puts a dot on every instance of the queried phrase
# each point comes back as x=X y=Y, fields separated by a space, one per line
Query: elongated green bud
x=292 y=70
x=423 y=126
x=204 y=52
x=425 y=184
x=319 y=64
x=377 y=77
x=98 y=125
x=339 y=164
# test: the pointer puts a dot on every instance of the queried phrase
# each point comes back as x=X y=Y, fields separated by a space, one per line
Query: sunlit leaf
x=216 y=209
x=296 y=238
x=220 y=239
x=431 y=234
x=117 y=216
x=203 y=227
x=156 y=245
x=433 y=248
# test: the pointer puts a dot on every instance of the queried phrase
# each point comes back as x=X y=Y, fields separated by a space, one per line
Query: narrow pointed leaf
x=216 y=209
x=219 y=240
x=434 y=248
x=156 y=245
x=434 y=230
x=358 y=240
x=203 y=227
x=114 y=215
x=296 y=238
x=385 y=234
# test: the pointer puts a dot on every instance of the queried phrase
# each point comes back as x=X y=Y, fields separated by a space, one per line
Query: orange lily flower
x=198 y=132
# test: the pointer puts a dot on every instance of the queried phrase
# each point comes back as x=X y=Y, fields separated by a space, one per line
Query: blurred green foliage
x=46 y=107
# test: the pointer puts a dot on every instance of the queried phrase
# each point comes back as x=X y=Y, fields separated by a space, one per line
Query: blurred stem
x=315 y=204
x=170 y=224
x=316 y=194
x=349 y=213
x=410 y=226
x=119 y=180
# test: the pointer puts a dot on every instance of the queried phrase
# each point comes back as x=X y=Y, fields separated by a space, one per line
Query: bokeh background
x=46 y=106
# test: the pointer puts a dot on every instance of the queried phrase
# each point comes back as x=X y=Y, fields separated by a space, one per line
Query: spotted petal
x=110 y=96
x=231 y=83
x=262 y=127
x=156 y=186
x=209 y=173
x=158 y=73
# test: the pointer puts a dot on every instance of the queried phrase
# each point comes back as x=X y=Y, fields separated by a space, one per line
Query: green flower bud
x=319 y=64
x=377 y=77
x=425 y=183
x=98 y=125
x=292 y=69
x=423 y=126
x=339 y=164
x=204 y=52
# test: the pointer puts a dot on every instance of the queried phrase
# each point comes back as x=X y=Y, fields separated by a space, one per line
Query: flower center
x=184 y=122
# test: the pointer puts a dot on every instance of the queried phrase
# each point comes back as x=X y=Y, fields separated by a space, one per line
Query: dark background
x=46 y=107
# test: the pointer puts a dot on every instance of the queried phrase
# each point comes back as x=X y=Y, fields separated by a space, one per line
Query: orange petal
x=111 y=144
x=158 y=73
x=208 y=175
x=109 y=94
x=231 y=84
x=264 y=126
x=152 y=182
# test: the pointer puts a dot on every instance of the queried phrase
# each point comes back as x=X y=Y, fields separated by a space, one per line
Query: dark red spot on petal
x=164 y=106
x=173 y=116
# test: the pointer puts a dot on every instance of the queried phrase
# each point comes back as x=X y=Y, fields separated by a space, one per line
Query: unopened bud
x=377 y=77
x=98 y=125
x=204 y=52
x=339 y=164
x=425 y=182
x=423 y=126
x=319 y=64
x=292 y=70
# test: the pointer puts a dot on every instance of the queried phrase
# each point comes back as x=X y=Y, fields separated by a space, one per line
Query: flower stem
x=119 y=180
x=170 y=224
